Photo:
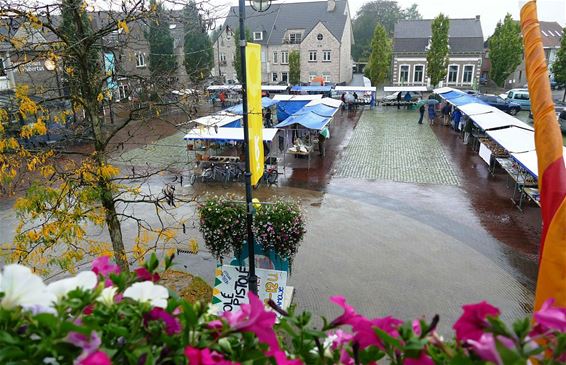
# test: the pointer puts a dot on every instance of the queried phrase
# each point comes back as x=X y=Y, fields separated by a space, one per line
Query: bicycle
x=270 y=177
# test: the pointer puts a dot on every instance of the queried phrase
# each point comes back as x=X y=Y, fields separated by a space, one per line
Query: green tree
x=559 y=66
x=237 y=59
x=294 y=67
x=162 y=60
x=437 y=55
x=198 y=47
x=384 y=12
x=505 y=49
x=379 y=63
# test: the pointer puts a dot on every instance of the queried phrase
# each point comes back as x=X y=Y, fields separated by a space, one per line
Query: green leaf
x=392 y=342
x=522 y=327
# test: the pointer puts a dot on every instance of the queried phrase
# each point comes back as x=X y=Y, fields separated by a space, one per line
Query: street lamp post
x=258 y=5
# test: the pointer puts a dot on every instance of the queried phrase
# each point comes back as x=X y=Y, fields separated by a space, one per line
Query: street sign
x=231 y=287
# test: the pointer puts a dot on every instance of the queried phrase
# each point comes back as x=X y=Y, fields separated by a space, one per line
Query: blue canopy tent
x=318 y=89
x=286 y=108
x=239 y=109
x=311 y=117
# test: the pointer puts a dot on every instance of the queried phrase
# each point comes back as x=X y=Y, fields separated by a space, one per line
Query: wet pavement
x=388 y=239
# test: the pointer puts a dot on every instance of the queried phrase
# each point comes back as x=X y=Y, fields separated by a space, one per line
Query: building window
x=295 y=38
x=222 y=58
x=284 y=57
x=326 y=56
x=263 y=56
x=284 y=77
x=468 y=74
x=418 y=73
x=140 y=59
x=123 y=91
x=453 y=73
x=258 y=36
x=320 y=37
x=275 y=57
x=274 y=77
x=403 y=73
x=326 y=76
x=312 y=56
x=312 y=75
x=2 y=68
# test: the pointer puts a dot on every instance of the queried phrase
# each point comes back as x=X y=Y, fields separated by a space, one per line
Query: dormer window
x=295 y=38
x=258 y=36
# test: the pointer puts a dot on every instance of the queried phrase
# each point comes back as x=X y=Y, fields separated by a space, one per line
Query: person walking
x=421 y=112
x=456 y=116
x=343 y=98
x=268 y=122
x=399 y=97
x=431 y=113
x=467 y=129
x=446 y=113
x=407 y=99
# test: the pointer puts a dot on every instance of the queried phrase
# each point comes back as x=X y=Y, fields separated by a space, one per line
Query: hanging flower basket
x=278 y=226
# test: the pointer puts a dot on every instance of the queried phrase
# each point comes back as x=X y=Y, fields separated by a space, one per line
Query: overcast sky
x=490 y=11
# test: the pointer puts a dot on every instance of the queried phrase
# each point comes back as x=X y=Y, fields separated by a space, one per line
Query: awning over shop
x=265 y=103
x=311 y=88
x=221 y=119
x=404 y=88
x=513 y=139
x=226 y=134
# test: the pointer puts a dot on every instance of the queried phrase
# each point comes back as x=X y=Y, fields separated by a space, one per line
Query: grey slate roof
x=464 y=36
x=551 y=33
x=281 y=17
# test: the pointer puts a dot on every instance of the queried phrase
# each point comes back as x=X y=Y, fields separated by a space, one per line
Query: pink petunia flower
x=365 y=334
x=88 y=344
x=472 y=323
x=416 y=324
x=205 y=357
x=349 y=312
x=281 y=359
x=143 y=274
x=96 y=358
x=172 y=324
x=423 y=359
x=254 y=318
x=486 y=348
x=549 y=317
x=104 y=267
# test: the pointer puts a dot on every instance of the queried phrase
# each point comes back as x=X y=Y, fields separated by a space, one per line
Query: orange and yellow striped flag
x=551 y=282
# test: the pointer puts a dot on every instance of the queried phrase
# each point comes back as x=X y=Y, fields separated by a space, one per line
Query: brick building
x=321 y=31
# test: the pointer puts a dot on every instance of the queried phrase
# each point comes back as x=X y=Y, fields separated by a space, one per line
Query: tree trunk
x=564 y=95
x=114 y=227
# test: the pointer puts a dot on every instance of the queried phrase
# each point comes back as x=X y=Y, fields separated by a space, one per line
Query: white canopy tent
x=219 y=119
x=355 y=88
x=442 y=90
x=529 y=161
x=326 y=101
x=513 y=139
x=224 y=87
x=476 y=108
x=227 y=134
x=283 y=97
x=274 y=87
x=498 y=119
x=404 y=88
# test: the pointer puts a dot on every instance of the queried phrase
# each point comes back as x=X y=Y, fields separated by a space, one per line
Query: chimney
x=477 y=17
x=331 y=5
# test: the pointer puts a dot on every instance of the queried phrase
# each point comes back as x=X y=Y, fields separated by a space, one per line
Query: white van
x=519 y=96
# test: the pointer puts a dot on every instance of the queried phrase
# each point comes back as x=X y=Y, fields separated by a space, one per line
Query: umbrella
x=421 y=102
x=432 y=101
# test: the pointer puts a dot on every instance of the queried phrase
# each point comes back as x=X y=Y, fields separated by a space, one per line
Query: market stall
x=303 y=128
x=289 y=104
x=365 y=93
x=216 y=154
x=391 y=92
x=266 y=103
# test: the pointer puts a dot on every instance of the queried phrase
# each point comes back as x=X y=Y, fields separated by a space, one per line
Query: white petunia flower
x=85 y=280
x=107 y=295
x=147 y=291
x=21 y=287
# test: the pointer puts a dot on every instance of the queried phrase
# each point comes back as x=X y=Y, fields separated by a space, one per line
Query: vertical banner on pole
x=255 y=117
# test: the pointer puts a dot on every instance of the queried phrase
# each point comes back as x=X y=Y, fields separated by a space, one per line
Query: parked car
x=501 y=104
x=519 y=96
x=562 y=120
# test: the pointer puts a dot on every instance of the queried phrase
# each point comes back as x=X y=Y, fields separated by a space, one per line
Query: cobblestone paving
x=390 y=145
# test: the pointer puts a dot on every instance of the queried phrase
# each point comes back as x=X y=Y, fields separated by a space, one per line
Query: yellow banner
x=255 y=117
